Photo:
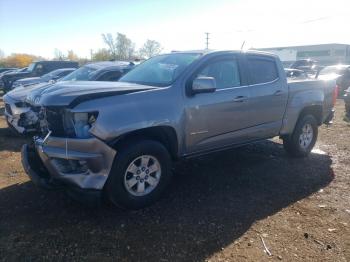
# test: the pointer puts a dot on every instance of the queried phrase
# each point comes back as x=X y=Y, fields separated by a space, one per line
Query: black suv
x=52 y=76
x=35 y=69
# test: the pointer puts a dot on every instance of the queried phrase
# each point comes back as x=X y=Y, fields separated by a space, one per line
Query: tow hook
x=47 y=137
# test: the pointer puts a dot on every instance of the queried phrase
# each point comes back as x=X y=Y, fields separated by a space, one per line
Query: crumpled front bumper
x=82 y=164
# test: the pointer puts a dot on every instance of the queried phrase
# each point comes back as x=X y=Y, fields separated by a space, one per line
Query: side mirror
x=203 y=84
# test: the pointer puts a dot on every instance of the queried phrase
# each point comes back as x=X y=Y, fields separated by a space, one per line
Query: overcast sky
x=39 y=26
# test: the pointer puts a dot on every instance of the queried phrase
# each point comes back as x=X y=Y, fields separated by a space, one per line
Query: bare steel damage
x=84 y=163
x=20 y=117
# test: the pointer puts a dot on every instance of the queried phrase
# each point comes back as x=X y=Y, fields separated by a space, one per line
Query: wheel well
x=315 y=110
x=164 y=134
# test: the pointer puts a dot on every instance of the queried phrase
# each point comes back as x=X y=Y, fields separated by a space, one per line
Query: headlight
x=83 y=122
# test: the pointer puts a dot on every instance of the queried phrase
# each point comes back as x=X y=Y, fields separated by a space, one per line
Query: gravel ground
x=219 y=208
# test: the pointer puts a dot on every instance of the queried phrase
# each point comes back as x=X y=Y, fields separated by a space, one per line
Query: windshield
x=84 y=73
x=160 y=70
x=31 y=67
x=333 y=70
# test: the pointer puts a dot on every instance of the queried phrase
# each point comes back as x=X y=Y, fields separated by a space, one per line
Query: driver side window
x=39 y=69
x=225 y=73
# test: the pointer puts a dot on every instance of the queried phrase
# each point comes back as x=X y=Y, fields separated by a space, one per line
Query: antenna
x=242 y=45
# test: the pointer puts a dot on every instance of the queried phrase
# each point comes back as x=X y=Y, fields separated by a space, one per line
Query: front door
x=213 y=118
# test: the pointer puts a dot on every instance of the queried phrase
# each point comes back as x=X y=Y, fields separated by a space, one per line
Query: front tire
x=141 y=172
x=304 y=137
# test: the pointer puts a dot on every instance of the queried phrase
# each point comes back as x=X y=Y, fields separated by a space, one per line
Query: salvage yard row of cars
x=114 y=129
x=24 y=118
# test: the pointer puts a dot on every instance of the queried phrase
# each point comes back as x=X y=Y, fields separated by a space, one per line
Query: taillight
x=335 y=94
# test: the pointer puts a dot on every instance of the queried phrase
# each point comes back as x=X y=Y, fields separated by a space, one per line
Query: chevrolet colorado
x=120 y=138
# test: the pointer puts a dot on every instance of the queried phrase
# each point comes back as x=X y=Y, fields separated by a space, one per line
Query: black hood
x=74 y=92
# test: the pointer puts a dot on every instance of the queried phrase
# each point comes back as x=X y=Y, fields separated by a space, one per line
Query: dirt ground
x=219 y=208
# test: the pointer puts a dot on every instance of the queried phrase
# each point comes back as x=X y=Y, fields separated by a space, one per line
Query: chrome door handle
x=278 y=93
x=239 y=99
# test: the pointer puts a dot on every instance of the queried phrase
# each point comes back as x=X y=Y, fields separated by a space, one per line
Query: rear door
x=268 y=94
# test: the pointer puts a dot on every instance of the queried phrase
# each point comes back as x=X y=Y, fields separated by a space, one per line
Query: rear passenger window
x=225 y=72
x=262 y=70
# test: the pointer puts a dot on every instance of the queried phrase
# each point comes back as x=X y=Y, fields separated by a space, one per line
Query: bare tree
x=111 y=43
x=120 y=48
x=150 y=48
x=59 y=55
x=72 y=56
x=101 y=55
x=2 y=54
x=131 y=51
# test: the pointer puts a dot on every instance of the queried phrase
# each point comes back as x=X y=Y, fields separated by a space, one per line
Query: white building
x=325 y=54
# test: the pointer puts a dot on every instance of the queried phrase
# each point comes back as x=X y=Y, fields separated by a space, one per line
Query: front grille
x=54 y=118
x=8 y=109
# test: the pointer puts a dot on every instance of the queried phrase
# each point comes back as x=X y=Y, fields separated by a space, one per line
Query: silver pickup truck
x=120 y=138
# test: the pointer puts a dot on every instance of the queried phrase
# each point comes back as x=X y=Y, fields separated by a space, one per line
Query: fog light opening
x=70 y=166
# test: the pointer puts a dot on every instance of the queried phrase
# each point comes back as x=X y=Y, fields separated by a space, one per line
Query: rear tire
x=303 y=138
x=141 y=172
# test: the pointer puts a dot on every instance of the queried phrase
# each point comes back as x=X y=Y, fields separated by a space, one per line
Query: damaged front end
x=21 y=116
x=69 y=152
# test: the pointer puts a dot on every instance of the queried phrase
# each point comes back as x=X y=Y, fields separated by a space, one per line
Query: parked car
x=17 y=70
x=295 y=73
x=100 y=71
x=24 y=119
x=120 y=138
x=4 y=73
x=347 y=103
x=307 y=65
x=13 y=70
x=52 y=76
x=35 y=69
x=339 y=72
x=7 y=69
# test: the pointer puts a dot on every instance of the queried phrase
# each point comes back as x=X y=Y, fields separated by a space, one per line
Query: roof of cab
x=55 y=61
x=208 y=51
x=108 y=64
